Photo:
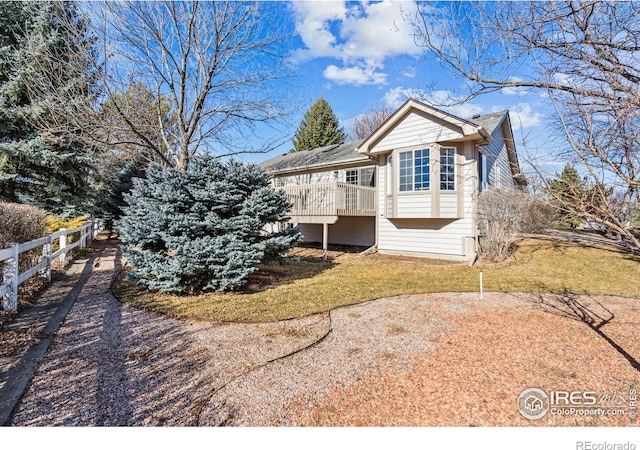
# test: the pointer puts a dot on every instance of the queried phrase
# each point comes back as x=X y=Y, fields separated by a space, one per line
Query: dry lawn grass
x=312 y=286
x=494 y=351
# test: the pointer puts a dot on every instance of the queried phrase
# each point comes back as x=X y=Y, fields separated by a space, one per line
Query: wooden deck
x=332 y=199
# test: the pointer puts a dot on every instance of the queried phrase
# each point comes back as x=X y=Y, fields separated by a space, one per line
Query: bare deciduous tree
x=365 y=124
x=585 y=56
x=214 y=62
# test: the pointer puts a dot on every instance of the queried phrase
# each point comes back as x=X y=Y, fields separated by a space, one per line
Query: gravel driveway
x=409 y=360
x=113 y=365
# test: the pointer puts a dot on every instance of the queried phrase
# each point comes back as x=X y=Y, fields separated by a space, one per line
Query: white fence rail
x=12 y=277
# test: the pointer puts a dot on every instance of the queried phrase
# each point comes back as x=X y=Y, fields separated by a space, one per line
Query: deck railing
x=331 y=199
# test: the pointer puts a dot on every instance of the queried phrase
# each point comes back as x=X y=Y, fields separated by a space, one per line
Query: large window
x=447 y=169
x=414 y=170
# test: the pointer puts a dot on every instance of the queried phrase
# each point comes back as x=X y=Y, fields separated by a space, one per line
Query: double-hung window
x=447 y=169
x=414 y=170
x=352 y=176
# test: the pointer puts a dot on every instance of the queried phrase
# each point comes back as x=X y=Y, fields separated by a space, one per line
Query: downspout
x=374 y=247
x=475 y=209
x=377 y=203
x=473 y=260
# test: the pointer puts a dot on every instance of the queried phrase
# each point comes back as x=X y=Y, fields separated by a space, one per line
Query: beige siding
x=317 y=176
x=417 y=129
x=448 y=205
x=414 y=205
x=346 y=231
x=498 y=161
x=446 y=238
x=312 y=177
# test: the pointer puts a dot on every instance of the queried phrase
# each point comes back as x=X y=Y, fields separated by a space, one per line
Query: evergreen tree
x=114 y=202
x=567 y=191
x=318 y=128
x=202 y=228
x=40 y=41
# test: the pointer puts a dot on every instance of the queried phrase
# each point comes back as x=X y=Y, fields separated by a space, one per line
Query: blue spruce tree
x=203 y=228
x=48 y=168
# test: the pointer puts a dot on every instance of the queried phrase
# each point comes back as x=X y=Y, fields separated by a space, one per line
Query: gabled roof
x=501 y=119
x=332 y=155
x=468 y=129
x=490 y=121
x=347 y=153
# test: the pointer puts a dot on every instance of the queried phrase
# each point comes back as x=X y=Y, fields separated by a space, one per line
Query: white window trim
x=390 y=175
x=455 y=170
x=484 y=182
x=396 y=171
x=348 y=176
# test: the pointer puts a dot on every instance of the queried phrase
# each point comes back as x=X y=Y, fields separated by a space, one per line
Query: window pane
x=406 y=172
x=390 y=175
x=366 y=177
x=422 y=169
x=447 y=169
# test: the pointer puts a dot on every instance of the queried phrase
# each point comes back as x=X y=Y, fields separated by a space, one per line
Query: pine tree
x=121 y=185
x=567 y=189
x=318 y=128
x=202 y=228
x=40 y=40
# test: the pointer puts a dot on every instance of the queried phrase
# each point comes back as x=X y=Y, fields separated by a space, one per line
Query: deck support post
x=325 y=238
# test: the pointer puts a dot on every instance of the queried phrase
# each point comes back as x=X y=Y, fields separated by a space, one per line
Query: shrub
x=55 y=223
x=21 y=223
x=202 y=228
x=539 y=215
x=503 y=213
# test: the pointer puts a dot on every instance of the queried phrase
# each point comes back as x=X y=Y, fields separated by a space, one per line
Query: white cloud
x=361 y=35
x=312 y=21
x=465 y=110
x=523 y=116
x=395 y=97
x=519 y=91
x=441 y=99
x=356 y=76
x=379 y=32
x=410 y=72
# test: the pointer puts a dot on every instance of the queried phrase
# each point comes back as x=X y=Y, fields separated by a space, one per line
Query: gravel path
x=409 y=360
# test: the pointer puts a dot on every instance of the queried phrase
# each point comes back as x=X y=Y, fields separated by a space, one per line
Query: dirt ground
x=415 y=360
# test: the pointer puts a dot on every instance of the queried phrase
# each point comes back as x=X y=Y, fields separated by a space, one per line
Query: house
x=410 y=188
x=533 y=403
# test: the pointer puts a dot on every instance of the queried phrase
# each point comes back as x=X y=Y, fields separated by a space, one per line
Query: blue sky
x=361 y=54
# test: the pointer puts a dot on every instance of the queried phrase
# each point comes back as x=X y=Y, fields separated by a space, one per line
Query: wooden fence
x=12 y=277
